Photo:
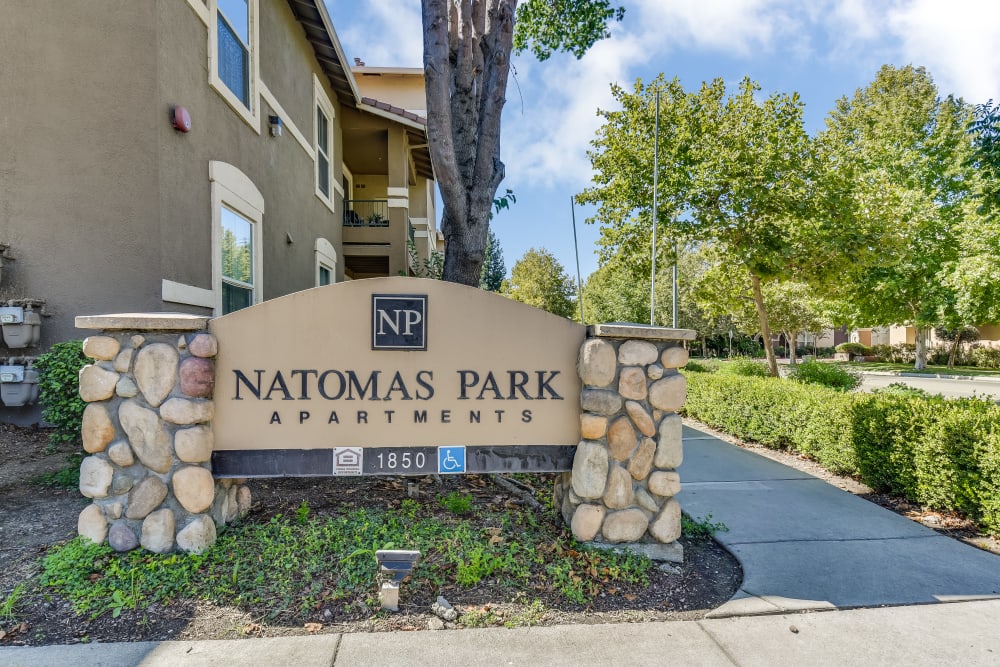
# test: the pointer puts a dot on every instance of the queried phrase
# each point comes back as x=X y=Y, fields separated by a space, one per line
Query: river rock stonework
x=150 y=394
x=623 y=481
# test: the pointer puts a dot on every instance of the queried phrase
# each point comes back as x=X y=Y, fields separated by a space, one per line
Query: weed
x=302 y=514
x=701 y=528
x=531 y=614
x=457 y=503
x=11 y=601
x=66 y=478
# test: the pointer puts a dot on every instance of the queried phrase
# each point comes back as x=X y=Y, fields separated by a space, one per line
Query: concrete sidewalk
x=960 y=633
x=805 y=544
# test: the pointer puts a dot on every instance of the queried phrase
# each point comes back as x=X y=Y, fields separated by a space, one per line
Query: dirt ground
x=32 y=518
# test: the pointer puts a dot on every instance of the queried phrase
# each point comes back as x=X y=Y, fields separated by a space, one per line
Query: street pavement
x=810 y=554
x=949 y=387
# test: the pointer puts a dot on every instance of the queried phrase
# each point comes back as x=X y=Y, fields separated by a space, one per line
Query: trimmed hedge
x=938 y=452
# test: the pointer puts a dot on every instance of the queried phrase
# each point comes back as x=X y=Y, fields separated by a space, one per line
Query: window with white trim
x=233 y=66
x=237 y=247
x=237 y=219
x=323 y=134
x=326 y=263
x=233 y=25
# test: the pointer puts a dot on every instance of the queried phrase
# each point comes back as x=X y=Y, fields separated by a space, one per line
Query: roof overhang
x=315 y=20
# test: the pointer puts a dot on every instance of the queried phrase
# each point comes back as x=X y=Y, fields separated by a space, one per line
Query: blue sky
x=823 y=49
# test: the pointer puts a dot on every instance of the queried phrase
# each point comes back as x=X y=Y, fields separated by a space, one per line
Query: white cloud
x=956 y=41
x=383 y=33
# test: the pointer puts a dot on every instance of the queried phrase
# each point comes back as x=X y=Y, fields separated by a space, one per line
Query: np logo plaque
x=399 y=321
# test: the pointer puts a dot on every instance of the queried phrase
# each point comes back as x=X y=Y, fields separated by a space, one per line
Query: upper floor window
x=323 y=131
x=322 y=152
x=234 y=54
x=234 y=47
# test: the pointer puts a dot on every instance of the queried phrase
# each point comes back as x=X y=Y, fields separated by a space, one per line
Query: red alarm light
x=181 y=119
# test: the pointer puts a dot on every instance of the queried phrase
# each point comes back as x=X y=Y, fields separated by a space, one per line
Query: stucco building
x=197 y=156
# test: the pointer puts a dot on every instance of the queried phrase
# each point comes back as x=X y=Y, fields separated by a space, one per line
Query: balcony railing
x=366 y=213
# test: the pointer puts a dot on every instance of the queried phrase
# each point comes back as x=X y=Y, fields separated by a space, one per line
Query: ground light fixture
x=394 y=566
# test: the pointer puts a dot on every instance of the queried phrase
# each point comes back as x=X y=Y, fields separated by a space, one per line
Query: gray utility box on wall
x=18 y=386
x=21 y=327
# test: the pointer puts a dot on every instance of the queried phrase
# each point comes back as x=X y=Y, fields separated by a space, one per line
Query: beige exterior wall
x=399 y=86
x=102 y=200
x=94 y=163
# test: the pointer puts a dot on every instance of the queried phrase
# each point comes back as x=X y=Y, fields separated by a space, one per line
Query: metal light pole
x=576 y=249
x=656 y=164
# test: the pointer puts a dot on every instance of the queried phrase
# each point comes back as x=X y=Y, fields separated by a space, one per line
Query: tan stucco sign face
x=394 y=363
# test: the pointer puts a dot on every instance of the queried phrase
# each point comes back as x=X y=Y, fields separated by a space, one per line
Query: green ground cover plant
x=941 y=453
x=58 y=390
x=291 y=566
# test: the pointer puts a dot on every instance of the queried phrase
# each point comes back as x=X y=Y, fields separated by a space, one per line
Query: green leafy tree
x=792 y=307
x=616 y=292
x=985 y=130
x=467 y=49
x=956 y=337
x=904 y=157
x=539 y=280
x=737 y=172
x=494 y=270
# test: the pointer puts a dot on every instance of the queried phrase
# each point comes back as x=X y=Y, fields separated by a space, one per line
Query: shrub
x=705 y=366
x=938 y=452
x=986 y=357
x=744 y=367
x=827 y=375
x=903 y=389
x=58 y=390
x=776 y=413
x=854 y=348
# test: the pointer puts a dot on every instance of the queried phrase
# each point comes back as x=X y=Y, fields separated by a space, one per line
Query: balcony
x=366 y=213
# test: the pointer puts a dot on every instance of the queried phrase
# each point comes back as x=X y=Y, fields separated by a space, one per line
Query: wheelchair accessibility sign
x=451 y=460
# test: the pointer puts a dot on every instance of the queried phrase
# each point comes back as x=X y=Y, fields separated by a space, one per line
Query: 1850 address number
x=400 y=461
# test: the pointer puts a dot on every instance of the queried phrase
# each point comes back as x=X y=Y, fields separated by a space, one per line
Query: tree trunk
x=954 y=349
x=467 y=45
x=765 y=329
x=704 y=347
x=790 y=337
x=921 y=341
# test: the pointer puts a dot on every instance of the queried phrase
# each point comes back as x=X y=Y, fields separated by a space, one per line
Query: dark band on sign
x=399 y=321
x=390 y=461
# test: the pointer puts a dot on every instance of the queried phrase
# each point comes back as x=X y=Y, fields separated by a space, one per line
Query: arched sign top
x=395 y=363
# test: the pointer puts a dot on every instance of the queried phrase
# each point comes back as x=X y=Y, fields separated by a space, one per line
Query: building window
x=326 y=263
x=237 y=261
x=237 y=218
x=234 y=47
x=322 y=152
x=323 y=133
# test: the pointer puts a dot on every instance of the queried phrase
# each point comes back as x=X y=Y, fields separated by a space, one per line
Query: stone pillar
x=147 y=429
x=624 y=474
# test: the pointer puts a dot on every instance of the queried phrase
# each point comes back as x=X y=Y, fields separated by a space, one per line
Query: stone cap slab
x=143 y=322
x=638 y=331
